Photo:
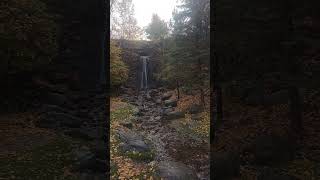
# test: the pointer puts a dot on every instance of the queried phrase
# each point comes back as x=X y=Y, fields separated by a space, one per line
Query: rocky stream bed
x=177 y=155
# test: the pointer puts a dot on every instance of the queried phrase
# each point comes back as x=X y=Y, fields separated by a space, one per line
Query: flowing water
x=144 y=72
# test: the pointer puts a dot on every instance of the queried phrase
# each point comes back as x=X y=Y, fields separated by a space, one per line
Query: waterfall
x=144 y=73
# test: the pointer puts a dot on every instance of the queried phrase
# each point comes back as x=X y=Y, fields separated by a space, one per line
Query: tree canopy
x=157 y=29
x=28 y=34
x=123 y=23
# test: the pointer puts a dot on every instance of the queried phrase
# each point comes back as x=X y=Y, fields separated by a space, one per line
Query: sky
x=145 y=8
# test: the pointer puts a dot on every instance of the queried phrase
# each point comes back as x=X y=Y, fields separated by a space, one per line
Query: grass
x=45 y=162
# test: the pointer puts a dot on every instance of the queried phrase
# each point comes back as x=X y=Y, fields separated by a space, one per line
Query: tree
x=191 y=26
x=118 y=69
x=28 y=34
x=123 y=23
x=157 y=30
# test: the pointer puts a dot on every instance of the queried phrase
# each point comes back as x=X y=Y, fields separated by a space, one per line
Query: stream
x=176 y=153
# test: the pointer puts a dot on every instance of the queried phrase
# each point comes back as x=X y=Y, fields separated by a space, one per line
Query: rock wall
x=131 y=53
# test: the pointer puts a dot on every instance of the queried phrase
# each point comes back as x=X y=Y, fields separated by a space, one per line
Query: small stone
x=170 y=102
x=166 y=96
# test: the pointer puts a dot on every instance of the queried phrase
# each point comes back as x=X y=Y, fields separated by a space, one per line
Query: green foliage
x=157 y=29
x=187 y=53
x=28 y=34
x=118 y=69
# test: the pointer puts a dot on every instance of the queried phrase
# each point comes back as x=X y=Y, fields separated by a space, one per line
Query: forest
x=160 y=85
x=223 y=90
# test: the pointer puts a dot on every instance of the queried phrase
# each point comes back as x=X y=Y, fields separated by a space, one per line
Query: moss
x=45 y=162
x=122 y=113
x=114 y=171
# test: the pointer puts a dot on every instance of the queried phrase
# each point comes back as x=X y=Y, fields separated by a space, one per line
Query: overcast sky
x=145 y=8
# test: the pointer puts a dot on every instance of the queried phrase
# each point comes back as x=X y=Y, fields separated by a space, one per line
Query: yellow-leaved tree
x=118 y=69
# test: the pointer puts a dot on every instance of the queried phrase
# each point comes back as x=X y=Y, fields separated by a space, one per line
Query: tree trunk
x=203 y=103
x=178 y=89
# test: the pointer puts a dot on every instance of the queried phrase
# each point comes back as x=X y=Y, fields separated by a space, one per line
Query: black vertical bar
x=106 y=19
x=212 y=58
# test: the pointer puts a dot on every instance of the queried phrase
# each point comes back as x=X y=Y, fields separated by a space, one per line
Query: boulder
x=195 y=108
x=174 y=115
x=134 y=145
x=158 y=101
x=148 y=96
x=167 y=110
x=131 y=141
x=225 y=165
x=170 y=102
x=166 y=96
x=175 y=171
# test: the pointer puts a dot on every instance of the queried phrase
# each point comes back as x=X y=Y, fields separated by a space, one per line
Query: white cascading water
x=144 y=73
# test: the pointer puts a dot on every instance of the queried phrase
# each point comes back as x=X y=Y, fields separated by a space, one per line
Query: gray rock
x=225 y=165
x=195 y=108
x=134 y=145
x=170 y=102
x=158 y=101
x=148 y=96
x=167 y=110
x=153 y=92
x=174 y=115
x=131 y=141
x=175 y=171
x=166 y=96
x=157 y=118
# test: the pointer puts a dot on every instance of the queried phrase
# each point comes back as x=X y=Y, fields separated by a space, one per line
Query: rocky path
x=177 y=156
